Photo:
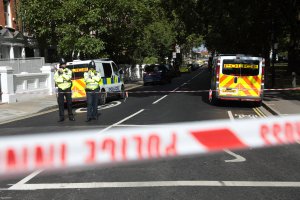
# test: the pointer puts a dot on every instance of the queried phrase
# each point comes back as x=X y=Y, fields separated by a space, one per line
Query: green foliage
x=158 y=40
x=126 y=30
x=131 y=30
x=150 y=60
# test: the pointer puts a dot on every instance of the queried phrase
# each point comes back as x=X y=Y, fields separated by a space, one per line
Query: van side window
x=100 y=69
x=107 y=69
x=115 y=68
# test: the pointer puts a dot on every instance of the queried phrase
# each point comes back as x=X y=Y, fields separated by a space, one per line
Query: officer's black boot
x=71 y=118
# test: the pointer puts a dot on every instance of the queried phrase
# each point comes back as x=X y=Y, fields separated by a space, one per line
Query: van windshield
x=241 y=67
x=78 y=70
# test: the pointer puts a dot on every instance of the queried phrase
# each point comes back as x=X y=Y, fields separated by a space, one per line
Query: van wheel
x=122 y=93
x=102 y=99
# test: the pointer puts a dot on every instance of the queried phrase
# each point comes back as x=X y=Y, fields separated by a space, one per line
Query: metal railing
x=30 y=65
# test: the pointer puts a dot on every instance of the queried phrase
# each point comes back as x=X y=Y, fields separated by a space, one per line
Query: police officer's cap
x=62 y=61
x=92 y=65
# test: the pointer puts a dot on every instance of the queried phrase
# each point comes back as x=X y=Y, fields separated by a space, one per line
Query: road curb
x=270 y=109
x=47 y=108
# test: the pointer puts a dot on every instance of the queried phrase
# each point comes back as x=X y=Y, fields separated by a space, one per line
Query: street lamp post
x=273 y=56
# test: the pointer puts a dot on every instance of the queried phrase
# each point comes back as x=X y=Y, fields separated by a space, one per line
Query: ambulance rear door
x=241 y=77
x=250 y=79
x=78 y=84
x=229 y=77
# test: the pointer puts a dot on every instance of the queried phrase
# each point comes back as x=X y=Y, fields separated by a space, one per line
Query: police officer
x=62 y=78
x=92 y=79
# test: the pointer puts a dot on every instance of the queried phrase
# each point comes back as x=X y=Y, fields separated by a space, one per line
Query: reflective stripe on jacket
x=92 y=79
x=62 y=78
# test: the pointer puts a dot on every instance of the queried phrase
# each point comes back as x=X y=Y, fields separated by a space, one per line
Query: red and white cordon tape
x=169 y=91
x=20 y=154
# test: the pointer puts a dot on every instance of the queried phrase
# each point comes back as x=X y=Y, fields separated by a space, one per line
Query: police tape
x=83 y=149
x=164 y=91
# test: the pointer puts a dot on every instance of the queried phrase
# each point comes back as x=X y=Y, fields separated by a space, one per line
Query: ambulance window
x=241 y=67
x=78 y=70
x=250 y=68
x=107 y=69
x=231 y=67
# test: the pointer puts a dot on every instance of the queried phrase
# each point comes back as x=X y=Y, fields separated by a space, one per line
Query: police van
x=237 y=77
x=111 y=83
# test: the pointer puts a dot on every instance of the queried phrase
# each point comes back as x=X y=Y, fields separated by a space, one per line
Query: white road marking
x=155 y=102
x=102 y=107
x=197 y=75
x=123 y=120
x=247 y=116
x=32 y=175
x=238 y=158
x=230 y=115
x=35 y=173
x=157 y=184
x=177 y=88
x=26 y=179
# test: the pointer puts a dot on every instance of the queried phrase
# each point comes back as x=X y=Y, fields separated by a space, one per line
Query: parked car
x=156 y=74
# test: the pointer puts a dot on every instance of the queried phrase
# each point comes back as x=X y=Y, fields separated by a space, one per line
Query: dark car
x=156 y=74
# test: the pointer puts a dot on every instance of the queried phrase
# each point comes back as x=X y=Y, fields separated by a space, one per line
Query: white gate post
x=50 y=78
x=7 y=85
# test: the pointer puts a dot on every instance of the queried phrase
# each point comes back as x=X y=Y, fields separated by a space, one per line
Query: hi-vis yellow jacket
x=92 y=79
x=62 y=78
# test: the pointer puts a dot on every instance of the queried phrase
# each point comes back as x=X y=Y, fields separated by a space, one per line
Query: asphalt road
x=249 y=174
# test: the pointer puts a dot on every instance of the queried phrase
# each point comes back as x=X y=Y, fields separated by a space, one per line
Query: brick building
x=13 y=43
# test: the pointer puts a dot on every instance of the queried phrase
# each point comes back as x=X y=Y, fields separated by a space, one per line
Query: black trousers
x=60 y=100
x=92 y=103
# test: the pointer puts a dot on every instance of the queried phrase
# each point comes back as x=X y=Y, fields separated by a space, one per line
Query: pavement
x=282 y=103
x=276 y=102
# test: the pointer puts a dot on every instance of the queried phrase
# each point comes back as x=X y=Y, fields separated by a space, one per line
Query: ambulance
x=237 y=77
x=111 y=83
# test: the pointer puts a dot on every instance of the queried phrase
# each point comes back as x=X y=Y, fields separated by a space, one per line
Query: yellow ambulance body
x=237 y=77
